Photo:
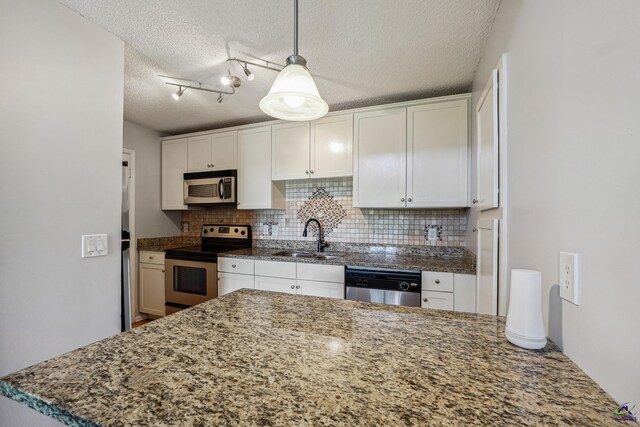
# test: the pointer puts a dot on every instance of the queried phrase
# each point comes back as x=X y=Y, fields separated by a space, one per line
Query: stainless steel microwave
x=214 y=188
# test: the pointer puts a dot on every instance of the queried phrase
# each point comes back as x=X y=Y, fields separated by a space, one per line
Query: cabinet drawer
x=321 y=273
x=150 y=257
x=437 y=300
x=285 y=270
x=432 y=281
x=320 y=289
x=235 y=265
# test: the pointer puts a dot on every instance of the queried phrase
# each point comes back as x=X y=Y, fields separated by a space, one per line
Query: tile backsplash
x=330 y=201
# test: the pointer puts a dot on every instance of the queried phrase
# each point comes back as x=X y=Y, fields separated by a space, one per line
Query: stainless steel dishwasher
x=384 y=286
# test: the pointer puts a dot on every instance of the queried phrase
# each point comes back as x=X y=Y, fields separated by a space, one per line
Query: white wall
x=60 y=172
x=151 y=221
x=574 y=148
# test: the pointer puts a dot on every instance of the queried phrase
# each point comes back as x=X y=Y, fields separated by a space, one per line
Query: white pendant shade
x=294 y=96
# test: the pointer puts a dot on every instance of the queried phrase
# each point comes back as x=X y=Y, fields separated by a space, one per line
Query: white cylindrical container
x=525 y=326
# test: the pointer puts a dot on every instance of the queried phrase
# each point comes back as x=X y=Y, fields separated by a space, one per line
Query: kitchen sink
x=317 y=255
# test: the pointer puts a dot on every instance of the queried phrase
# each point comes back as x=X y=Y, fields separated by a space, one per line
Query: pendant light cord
x=295 y=27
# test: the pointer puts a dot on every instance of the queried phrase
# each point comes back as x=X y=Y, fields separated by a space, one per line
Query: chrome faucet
x=321 y=243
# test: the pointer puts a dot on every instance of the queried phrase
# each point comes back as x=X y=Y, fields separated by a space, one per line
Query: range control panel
x=226 y=231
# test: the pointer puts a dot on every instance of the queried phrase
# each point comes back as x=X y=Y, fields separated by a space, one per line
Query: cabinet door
x=174 y=165
x=290 y=151
x=320 y=289
x=200 y=153
x=152 y=289
x=229 y=282
x=437 y=300
x=224 y=150
x=487 y=287
x=332 y=147
x=488 y=146
x=275 y=284
x=438 y=155
x=255 y=189
x=380 y=158
x=464 y=292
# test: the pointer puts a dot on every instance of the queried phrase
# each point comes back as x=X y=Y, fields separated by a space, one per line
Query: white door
x=438 y=155
x=275 y=284
x=254 y=168
x=321 y=289
x=332 y=146
x=174 y=165
x=152 y=289
x=224 y=150
x=230 y=282
x=290 y=151
x=199 y=153
x=380 y=158
x=488 y=146
x=487 y=286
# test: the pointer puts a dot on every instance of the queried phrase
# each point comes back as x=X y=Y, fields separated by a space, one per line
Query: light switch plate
x=569 y=275
x=94 y=245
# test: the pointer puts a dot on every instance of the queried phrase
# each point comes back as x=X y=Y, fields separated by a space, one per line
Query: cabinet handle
x=425 y=299
x=293 y=286
x=402 y=200
x=438 y=281
x=163 y=271
x=307 y=172
x=150 y=257
x=409 y=199
x=475 y=201
x=311 y=172
x=233 y=265
x=297 y=286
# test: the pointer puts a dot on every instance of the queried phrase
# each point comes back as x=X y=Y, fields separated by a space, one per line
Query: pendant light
x=294 y=95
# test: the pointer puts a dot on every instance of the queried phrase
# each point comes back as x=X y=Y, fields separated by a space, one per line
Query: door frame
x=136 y=316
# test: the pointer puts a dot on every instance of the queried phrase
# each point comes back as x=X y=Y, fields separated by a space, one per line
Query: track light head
x=220 y=98
x=248 y=73
x=179 y=93
x=231 y=81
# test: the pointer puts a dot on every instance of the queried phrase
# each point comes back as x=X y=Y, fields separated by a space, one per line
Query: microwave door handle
x=221 y=189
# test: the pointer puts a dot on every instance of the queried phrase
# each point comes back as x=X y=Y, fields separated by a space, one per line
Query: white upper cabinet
x=216 y=151
x=319 y=149
x=290 y=158
x=413 y=157
x=438 y=155
x=255 y=188
x=331 y=147
x=380 y=158
x=488 y=146
x=174 y=165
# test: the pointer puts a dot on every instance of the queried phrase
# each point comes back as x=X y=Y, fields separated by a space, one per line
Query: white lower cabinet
x=151 y=283
x=276 y=284
x=230 y=282
x=279 y=276
x=315 y=288
x=448 y=291
x=437 y=300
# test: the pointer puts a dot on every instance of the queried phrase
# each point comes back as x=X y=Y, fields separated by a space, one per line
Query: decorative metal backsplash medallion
x=324 y=208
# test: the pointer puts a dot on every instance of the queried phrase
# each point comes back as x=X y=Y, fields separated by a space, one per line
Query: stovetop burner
x=216 y=238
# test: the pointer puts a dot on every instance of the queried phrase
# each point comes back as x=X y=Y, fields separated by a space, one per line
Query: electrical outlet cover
x=568 y=277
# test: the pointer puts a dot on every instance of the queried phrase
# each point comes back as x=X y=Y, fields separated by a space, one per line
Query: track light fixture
x=231 y=81
x=247 y=72
x=179 y=93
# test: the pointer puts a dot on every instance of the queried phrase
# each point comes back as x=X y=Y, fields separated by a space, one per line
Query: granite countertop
x=452 y=264
x=161 y=244
x=256 y=358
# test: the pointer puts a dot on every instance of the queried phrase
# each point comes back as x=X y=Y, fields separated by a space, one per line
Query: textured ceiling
x=361 y=52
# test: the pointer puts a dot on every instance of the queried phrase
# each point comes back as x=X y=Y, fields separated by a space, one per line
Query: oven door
x=188 y=283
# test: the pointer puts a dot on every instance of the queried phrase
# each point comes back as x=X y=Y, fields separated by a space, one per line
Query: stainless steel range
x=191 y=272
